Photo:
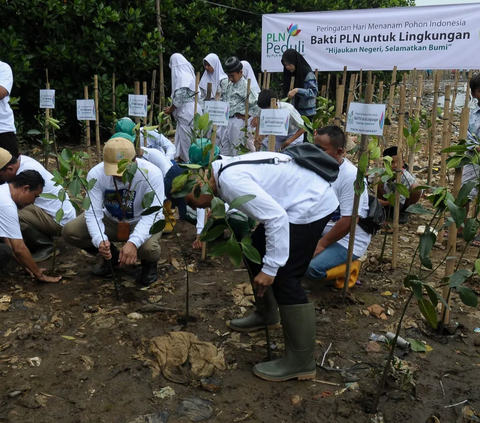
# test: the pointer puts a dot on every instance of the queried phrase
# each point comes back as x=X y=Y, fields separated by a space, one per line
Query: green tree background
x=76 y=39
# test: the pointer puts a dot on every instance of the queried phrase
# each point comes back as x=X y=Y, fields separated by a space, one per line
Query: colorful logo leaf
x=293 y=30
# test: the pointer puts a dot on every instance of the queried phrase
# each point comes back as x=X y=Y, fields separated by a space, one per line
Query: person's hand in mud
x=261 y=282
x=197 y=244
x=104 y=249
x=48 y=279
x=128 y=254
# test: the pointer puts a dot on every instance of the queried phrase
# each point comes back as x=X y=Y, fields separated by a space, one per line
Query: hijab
x=183 y=74
x=302 y=68
x=215 y=77
x=249 y=74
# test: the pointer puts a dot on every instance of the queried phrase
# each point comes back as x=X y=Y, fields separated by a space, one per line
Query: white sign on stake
x=137 y=105
x=429 y=37
x=86 y=110
x=47 y=99
x=274 y=122
x=366 y=119
x=218 y=112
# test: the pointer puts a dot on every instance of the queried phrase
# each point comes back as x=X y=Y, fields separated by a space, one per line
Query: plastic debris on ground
x=195 y=409
x=166 y=392
x=152 y=418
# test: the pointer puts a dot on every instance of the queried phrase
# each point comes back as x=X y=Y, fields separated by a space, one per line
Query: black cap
x=180 y=203
x=232 y=64
x=390 y=151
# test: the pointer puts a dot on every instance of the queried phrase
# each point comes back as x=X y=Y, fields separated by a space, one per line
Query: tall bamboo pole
x=445 y=144
x=87 y=129
x=351 y=89
x=415 y=114
x=454 y=99
x=160 y=56
x=197 y=82
x=418 y=102
x=356 y=200
x=452 y=230
x=375 y=178
x=152 y=97
x=47 y=124
x=97 y=120
x=433 y=128
x=412 y=90
x=398 y=172
x=339 y=105
x=271 y=138
x=136 y=88
x=268 y=80
x=114 y=101
x=264 y=79
x=391 y=95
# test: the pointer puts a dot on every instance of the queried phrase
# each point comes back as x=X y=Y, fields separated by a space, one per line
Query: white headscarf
x=249 y=74
x=183 y=74
x=215 y=77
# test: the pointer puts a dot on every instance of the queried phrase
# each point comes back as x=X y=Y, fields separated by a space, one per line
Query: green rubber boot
x=40 y=245
x=265 y=306
x=298 y=362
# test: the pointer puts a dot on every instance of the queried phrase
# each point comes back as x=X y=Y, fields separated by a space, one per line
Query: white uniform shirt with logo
x=285 y=193
x=160 y=142
x=7 y=123
x=158 y=158
x=49 y=206
x=104 y=201
x=9 y=223
x=345 y=191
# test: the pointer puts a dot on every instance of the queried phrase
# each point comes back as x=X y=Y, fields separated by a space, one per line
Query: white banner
x=86 y=110
x=430 y=37
x=367 y=119
x=218 y=112
x=274 y=122
x=137 y=105
x=47 y=99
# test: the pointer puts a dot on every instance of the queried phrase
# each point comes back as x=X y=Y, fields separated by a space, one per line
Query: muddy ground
x=70 y=352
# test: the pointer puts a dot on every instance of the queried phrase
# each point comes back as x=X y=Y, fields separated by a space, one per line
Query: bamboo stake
x=337 y=83
x=47 y=125
x=88 y=137
x=247 y=104
x=160 y=56
x=316 y=75
x=380 y=92
x=197 y=82
x=433 y=128
x=375 y=178
x=114 y=101
x=328 y=86
x=264 y=79
x=454 y=99
x=268 y=80
x=391 y=95
x=152 y=97
x=374 y=82
x=452 y=230
x=97 y=120
x=412 y=90
x=271 y=138
x=445 y=144
x=360 y=87
x=260 y=79
x=356 y=201
x=339 y=105
x=323 y=91
x=351 y=89
x=136 y=87
x=411 y=151
x=344 y=79
x=418 y=103
x=398 y=176
x=145 y=92
x=369 y=78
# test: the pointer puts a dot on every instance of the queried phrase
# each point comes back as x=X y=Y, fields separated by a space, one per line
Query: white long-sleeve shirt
x=158 y=158
x=285 y=193
x=105 y=202
x=160 y=142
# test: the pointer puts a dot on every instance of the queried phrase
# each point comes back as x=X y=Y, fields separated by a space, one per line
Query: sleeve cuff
x=96 y=241
x=302 y=91
x=269 y=270
x=135 y=240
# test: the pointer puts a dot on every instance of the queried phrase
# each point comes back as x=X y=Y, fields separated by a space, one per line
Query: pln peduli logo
x=279 y=42
x=381 y=121
x=351 y=118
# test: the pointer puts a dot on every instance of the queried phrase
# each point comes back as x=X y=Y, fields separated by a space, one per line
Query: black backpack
x=375 y=218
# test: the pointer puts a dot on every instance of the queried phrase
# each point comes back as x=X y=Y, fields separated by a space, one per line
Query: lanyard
x=120 y=202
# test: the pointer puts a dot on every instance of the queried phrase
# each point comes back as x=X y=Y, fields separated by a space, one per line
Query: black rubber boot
x=40 y=245
x=104 y=270
x=266 y=308
x=149 y=272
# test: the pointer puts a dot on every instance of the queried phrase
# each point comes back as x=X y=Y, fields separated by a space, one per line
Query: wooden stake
x=351 y=90
x=87 y=129
x=445 y=144
x=316 y=75
x=114 y=102
x=260 y=79
x=271 y=138
x=391 y=95
x=247 y=102
x=344 y=79
x=454 y=99
x=360 y=87
x=339 y=105
x=398 y=176
x=323 y=91
x=268 y=80
x=328 y=86
x=412 y=90
x=377 y=161
x=136 y=87
x=337 y=81
x=418 y=103
x=433 y=128
x=369 y=78
x=452 y=230
x=160 y=57
x=152 y=97
x=264 y=79
x=47 y=125
x=356 y=200
x=97 y=121
x=197 y=83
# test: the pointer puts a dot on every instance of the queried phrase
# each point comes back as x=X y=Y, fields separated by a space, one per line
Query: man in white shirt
x=154 y=138
x=37 y=221
x=115 y=213
x=8 y=139
x=292 y=205
x=22 y=191
x=332 y=247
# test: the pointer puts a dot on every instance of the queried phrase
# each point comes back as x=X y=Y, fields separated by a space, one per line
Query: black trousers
x=287 y=286
x=6 y=254
x=8 y=141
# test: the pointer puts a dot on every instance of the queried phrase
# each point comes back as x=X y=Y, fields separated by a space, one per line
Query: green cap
x=125 y=125
x=124 y=135
x=195 y=153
